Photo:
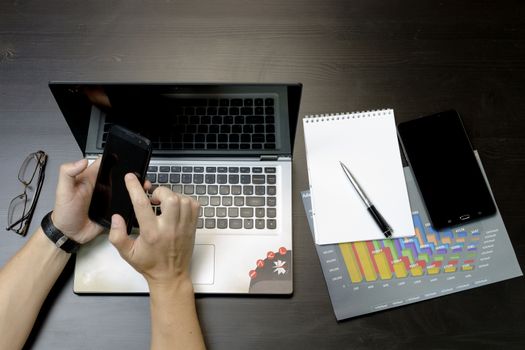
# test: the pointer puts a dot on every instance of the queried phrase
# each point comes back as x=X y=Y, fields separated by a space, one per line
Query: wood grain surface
x=417 y=57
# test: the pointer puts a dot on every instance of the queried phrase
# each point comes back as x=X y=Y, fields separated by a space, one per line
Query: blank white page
x=367 y=144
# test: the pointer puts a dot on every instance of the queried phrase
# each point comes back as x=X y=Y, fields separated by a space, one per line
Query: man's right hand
x=163 y=250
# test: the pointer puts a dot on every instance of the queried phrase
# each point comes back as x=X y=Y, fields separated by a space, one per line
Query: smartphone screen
x=125 y=152
x=446 y=170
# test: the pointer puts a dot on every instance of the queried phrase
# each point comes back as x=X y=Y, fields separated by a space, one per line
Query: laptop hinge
x=269 y=157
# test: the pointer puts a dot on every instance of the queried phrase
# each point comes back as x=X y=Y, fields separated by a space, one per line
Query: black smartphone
x=446 y=170
x=124 y=152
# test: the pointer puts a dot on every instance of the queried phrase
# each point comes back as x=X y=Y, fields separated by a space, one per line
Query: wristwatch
x=57 y=237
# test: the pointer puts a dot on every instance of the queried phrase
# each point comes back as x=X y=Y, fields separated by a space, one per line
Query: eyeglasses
x=22 y=206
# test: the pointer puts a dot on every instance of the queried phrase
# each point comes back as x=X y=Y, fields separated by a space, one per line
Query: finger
x=147 y=185
x=140 y=200
x=68 y=173
x=118 y=236
x=188 y=210
x=169 y=203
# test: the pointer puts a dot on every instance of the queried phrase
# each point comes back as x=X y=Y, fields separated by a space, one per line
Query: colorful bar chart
x=369 y=276
x=428 y=252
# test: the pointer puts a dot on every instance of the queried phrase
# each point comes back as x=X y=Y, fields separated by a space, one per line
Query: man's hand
x=163 y=250
x=76 y=182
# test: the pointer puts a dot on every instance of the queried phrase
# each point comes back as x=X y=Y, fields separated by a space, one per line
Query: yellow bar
x=366 y=261
x=460 y=240
x=446 y=240
x=399 y=269
x=433 y=270
x=467 y=267
x=416 y=270
x=352 y=266
x=450 y=268
x=382 y=265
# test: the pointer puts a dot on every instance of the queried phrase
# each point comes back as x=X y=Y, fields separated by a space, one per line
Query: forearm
x=26 y=281
x=174 y=319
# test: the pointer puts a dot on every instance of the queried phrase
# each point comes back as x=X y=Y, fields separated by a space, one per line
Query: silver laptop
x=229 y=146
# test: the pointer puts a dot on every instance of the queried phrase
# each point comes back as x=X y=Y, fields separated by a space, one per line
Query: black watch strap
x=57 y=237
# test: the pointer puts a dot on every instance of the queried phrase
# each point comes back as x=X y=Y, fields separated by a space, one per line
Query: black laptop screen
x=189 y=119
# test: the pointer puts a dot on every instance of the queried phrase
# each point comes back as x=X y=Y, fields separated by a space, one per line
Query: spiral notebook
x=366 y=142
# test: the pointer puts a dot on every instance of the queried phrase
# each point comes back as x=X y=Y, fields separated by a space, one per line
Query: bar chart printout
x=369 y=276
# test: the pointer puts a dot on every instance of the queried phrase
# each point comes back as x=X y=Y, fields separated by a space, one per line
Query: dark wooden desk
x=418 y=57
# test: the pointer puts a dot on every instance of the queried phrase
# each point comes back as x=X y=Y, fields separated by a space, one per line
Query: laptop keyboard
x=231 y=198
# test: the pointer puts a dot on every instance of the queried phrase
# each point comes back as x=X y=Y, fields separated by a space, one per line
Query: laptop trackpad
x=203 y=264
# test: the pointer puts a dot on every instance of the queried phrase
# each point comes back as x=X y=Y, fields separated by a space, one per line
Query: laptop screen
x=185 y=119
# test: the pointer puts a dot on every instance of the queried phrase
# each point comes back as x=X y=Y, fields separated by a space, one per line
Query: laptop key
x=222 y=169
x=209 y=178
x=269 y=170
x=259 y=212
x=211 y=169
x=271 y=179
x=222 y=179
x=260 y=190
x=174 y=178
x=198 y=178
x=259 y=223
x=200 y=223
x=186 y=178
x=224 y=189
x=209 y=223
x=236 y=190
x=200 y=189
x=227 y=201
x=248 y=223
x=238 y=201
x=189 y=189
x=246 y=212
x=235 y=223
x=176 y=188
x=209 y=212
x=258 y=179
x=215 y=200
x=271 y=190
x=234 y=179
x=247 y=190
x=271 y=224
x=151 y=177
x=213 y=189
x=187 y=169
x=153 y=168
x=203 y=200
x=245 y=169
x=271 y=201
x=271 y=212
x=246 y=179
x=163 y=178
x=220 y=212
x=222 y=223
x=233 y=212
x=164 y=169
x=252 y=201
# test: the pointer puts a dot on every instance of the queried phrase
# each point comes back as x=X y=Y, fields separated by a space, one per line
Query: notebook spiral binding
x=315 y=118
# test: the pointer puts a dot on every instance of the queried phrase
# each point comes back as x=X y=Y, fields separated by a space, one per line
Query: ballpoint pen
x=378 y=218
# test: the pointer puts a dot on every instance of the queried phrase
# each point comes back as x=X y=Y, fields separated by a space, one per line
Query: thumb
x=68 y=173
x=118 y=236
